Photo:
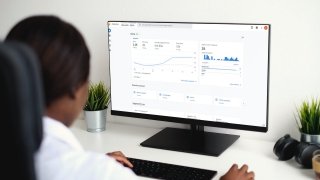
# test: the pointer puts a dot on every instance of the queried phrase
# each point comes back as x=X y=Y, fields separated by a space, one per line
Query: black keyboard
x=166 y=171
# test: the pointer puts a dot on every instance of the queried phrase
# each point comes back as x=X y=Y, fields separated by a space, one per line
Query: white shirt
x=61 y=157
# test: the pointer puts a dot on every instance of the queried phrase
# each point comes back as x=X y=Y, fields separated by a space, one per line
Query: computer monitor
x=202 y=74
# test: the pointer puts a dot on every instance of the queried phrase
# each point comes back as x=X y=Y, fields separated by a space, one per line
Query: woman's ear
x=72 y=93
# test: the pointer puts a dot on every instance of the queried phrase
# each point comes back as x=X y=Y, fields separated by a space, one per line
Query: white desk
x=257 y=154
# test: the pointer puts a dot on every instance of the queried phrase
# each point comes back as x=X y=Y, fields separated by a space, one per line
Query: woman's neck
x=60 y=111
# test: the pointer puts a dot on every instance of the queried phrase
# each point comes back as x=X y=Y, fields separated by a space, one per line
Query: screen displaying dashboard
x=213 y=74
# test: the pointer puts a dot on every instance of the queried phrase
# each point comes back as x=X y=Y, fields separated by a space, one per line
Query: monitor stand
x=194 y=140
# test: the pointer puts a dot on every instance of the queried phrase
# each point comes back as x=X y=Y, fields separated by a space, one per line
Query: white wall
x=295 y=41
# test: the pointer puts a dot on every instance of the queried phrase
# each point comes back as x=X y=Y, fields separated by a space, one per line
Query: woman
x=64 y=59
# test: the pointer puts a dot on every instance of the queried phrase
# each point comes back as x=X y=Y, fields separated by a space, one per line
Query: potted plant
x=308 y=120
x=96 y=106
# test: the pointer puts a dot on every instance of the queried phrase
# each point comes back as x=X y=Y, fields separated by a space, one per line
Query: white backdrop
x=295 y=41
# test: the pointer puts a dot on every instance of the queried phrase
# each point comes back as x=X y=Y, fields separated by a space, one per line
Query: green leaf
x=98 y=97
x=308 y=117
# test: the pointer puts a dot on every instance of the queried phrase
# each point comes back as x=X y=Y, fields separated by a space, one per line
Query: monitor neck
x=197 y=129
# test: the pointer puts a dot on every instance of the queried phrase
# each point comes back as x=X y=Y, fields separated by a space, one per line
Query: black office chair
x=21 y=108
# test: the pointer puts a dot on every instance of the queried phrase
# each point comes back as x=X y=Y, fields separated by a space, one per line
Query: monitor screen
x=209 y=74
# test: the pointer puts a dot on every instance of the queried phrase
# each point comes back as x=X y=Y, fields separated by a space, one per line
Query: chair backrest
x=21 y=109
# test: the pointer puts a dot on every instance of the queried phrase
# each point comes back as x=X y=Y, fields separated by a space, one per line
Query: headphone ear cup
x=285 y=147
x=304 y=154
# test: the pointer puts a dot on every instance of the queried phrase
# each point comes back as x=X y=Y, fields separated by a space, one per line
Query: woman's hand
x=235 y=173
x=121 y=158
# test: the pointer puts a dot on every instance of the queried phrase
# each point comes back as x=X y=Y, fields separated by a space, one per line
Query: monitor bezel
x=198 y=121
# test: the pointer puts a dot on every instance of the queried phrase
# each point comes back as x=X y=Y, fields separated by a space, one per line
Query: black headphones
x=287 y=147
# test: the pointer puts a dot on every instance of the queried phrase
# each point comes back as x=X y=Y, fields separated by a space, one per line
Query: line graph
x=164 y=62
x=172 y=69
x=223 y=69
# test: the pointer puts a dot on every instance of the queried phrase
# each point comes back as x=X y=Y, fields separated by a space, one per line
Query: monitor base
x=191 y=141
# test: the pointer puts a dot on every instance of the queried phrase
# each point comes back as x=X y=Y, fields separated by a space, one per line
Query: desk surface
x=257 y=154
